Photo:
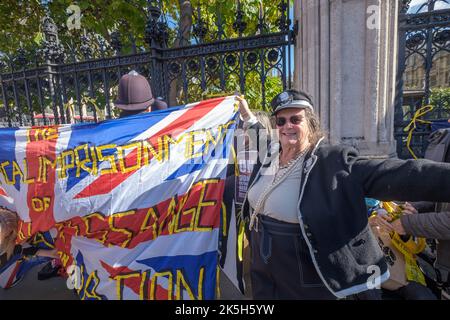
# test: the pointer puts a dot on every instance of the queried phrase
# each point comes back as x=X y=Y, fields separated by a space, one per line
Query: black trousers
x=281 y=266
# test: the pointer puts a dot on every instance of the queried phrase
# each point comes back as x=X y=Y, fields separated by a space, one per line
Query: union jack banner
x=137 y=202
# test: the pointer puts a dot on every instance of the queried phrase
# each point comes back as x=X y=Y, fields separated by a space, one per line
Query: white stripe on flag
x=160 y=125
x=166 y=245
x=20 y=150
x=60 y=204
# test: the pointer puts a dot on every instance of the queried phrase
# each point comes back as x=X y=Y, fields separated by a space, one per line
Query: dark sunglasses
x=281 y=121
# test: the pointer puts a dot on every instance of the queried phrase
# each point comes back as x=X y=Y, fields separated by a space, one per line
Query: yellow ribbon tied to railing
x=409 y=248
x=412 y=125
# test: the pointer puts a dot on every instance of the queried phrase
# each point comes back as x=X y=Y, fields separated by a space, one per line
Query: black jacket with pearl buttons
x=333 y=215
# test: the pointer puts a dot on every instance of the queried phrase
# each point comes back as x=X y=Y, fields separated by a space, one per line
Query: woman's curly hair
x=315 y=131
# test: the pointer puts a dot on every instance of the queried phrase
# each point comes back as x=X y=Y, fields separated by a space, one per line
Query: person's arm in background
x=424 y=206
x=47 y=253
x=432 y=225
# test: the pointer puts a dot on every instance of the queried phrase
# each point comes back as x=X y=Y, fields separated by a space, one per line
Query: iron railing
x=63 y=83
x=423 y=65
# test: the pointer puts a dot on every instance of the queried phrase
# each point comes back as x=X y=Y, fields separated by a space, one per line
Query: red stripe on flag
x=3 y=192
x=41 y=192
x=106 y=183
x=198 y=208
x=13 y=275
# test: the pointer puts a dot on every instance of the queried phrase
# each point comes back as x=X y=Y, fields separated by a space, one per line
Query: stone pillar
x=346 y=58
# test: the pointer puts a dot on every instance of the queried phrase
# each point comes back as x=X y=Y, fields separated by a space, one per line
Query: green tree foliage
x=440 y=97
x=21 y=19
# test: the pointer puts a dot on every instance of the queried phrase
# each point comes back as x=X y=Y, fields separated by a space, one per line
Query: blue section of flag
x=87 y=290
x=43 y=240
x=25 y=264
x=190 y=267
x=8 y=147
x=11 y=260
x=28 y=263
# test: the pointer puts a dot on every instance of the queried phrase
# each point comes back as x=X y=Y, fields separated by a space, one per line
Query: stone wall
x=346 y=58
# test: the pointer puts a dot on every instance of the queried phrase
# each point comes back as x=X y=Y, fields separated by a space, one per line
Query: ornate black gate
x=60 y=84
x=423 y=76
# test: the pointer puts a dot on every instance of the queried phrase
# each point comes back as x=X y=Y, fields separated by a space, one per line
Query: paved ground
x=30 y=288
x=227 y=290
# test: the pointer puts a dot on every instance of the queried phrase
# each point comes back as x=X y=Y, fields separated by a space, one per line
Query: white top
x=281 y=192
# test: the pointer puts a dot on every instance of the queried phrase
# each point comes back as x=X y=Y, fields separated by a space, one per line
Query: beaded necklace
x=283 y=170
x=281 y=173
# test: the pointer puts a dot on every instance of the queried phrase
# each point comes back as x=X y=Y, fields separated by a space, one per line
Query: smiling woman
x=310 y=237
